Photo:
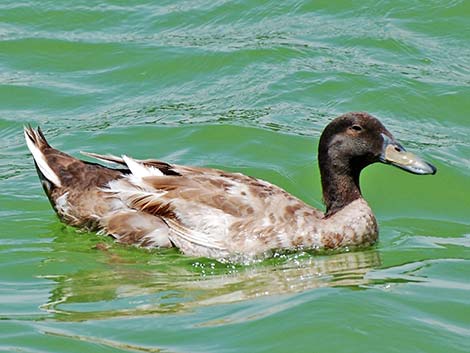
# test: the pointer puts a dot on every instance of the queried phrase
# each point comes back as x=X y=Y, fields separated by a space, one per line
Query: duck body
x=209 y=212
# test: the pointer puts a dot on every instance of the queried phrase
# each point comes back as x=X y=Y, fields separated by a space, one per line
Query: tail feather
x=108 y=158
x=37 y=143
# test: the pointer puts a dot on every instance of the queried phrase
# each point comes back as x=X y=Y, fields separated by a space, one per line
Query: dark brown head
x=349 y=144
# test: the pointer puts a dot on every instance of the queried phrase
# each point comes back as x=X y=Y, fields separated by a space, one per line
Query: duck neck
x=340 y=183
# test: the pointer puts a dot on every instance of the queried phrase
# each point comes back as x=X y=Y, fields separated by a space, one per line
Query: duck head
x=350 y=143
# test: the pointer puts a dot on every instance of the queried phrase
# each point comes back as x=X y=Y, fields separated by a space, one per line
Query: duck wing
x=209 y=212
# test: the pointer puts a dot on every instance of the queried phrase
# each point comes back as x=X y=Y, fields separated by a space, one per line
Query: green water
x=244 y=86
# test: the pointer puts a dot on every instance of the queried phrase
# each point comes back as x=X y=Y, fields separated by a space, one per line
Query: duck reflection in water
x=135 y=282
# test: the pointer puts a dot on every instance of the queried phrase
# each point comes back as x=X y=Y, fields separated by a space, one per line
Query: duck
x=212 y=213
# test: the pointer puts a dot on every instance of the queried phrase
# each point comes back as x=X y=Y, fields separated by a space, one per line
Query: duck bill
x=393 y=153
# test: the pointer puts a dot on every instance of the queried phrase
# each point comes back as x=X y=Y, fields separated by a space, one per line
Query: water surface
x=243 y=86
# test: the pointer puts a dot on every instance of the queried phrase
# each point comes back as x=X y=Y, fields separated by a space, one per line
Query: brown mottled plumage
x=212 y=213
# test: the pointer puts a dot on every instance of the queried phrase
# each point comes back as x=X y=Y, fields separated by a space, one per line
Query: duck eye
x=356 y=127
